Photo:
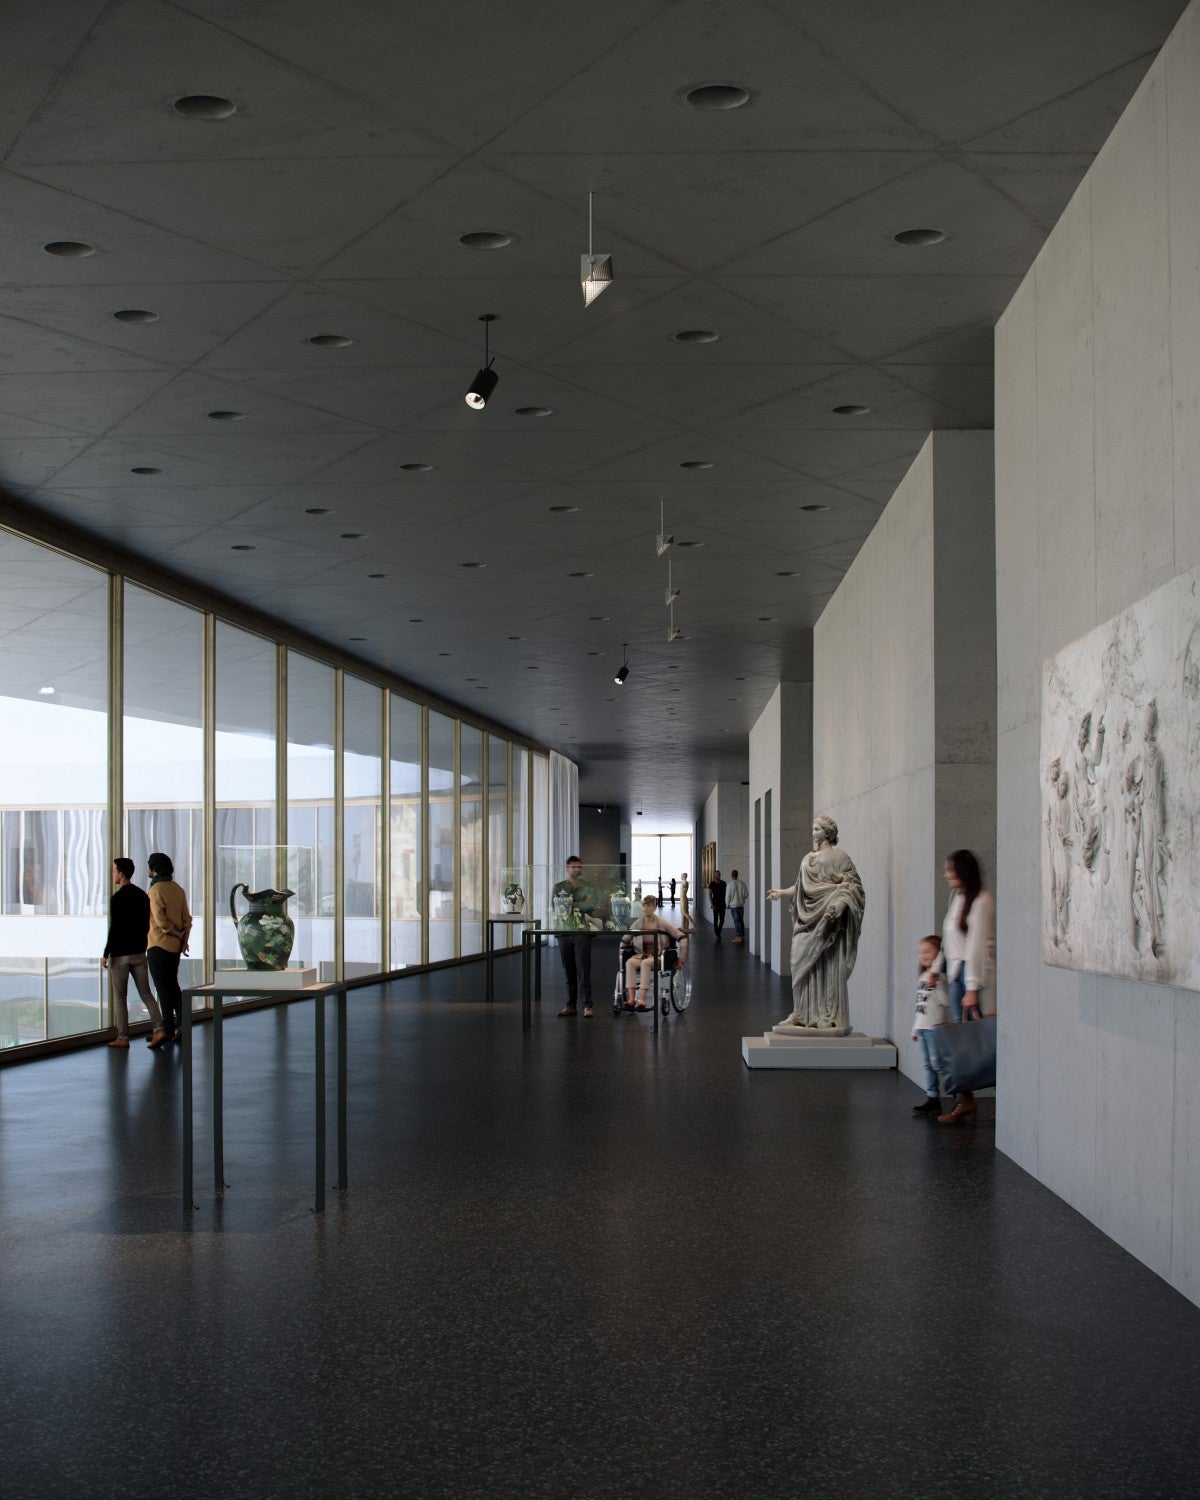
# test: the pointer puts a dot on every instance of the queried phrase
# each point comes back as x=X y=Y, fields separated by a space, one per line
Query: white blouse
x=975 y=948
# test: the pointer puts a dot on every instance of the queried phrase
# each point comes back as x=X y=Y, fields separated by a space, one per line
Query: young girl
x=933 y=1009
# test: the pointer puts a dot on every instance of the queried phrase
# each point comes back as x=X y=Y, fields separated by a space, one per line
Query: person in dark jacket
x=125 y=953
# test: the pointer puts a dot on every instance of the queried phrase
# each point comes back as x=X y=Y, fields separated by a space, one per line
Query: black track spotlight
x=486 y=380
x=619 y=679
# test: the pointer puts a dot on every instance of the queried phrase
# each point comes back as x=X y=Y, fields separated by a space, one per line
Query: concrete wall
x=904 y=714
x=1098 y=503
x=781 y=744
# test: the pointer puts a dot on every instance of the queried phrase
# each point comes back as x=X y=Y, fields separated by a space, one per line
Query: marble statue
x=827 y=909
x=1120 y=815
x=685 y=910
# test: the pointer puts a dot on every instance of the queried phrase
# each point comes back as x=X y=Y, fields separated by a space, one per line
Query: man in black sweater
x=716 y=894
x=125 y=953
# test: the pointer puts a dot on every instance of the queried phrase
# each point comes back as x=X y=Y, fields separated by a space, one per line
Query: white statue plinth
x=796 y=1047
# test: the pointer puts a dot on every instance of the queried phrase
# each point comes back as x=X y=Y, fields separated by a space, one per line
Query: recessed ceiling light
x=242 y=547
x=356 y=638
x=717 y=96
x=696 y=463
x=695 y=336
x=851 y=410
x=531 y=669
x=416 y=619
x=443 y=653
x=205 y=107
x=516 y=637
x=318 y=510
x=331 y=340
x=69 y=249
x=595 y=653
x=46 y=692
x=416 y=468
x=598 y=617
x=352 y=536
x=562 y=510
x=136 y=315
x=376 y=575
x=485 y=239
x=579 y=575
x=673 y=669
x=788 y=573
x=919 y=237
x=689 y=544
x=481 y=687
x=739 y=679
x=534 y=411
x=675 y=690
x=145 y=469
x=472 y=565
x=226 y=416
x=766 y=619
x=811 y=508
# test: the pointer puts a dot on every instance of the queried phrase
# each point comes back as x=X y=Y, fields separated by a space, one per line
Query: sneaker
x=568 y=1010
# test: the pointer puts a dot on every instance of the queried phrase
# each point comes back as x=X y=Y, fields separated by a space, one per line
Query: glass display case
x=267 y=903
x=601 y=900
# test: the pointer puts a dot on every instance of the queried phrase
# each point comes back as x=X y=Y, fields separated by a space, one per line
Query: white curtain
x=564 y=809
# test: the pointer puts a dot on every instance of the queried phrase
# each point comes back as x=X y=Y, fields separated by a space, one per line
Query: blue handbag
x=968 y=1055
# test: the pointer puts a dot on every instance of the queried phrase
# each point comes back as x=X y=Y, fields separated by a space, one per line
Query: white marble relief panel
x=1120 y=768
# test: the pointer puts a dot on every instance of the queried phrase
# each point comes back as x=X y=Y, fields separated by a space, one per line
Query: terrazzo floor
x=578 y=1262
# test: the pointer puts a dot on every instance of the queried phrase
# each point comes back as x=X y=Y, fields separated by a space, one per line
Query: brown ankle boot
x=964 y=1109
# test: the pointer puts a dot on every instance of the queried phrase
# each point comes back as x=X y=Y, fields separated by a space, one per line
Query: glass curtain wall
x=497 y=804
x=470 y=839
x=245 y=775
x=407 y=837
x=209 y=766
x=54 y=862
x=311 y=784
x=443 y=839
x=362 y=858
x=163 y=739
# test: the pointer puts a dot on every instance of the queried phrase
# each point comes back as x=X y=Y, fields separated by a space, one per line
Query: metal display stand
x=509 y=919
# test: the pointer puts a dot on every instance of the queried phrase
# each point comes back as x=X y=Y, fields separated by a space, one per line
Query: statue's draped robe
x=827 y=910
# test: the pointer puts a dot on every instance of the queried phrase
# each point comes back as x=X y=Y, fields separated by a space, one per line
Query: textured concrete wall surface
x=904 y=714
x=1097 y=504
x=781 y=750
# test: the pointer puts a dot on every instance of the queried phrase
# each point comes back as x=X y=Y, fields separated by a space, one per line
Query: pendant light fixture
x=623 y=673
x=486 y=380
x=662 y=542
x=672 y=593
x=595 y=271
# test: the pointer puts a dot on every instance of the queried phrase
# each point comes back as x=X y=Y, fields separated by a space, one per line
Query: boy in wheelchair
x=653 y=940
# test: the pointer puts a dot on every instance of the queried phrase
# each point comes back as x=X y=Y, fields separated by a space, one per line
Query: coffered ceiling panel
x=329 y=197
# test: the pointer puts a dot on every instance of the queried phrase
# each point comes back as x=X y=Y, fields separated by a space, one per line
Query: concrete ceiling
x=367 y=139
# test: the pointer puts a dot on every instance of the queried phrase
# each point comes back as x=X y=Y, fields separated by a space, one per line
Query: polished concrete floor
x=582 y=1262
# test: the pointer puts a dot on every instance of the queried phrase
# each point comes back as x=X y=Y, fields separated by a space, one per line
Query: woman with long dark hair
x=968 y=948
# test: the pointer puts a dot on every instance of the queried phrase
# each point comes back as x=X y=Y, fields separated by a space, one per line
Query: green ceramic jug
x=265 y=932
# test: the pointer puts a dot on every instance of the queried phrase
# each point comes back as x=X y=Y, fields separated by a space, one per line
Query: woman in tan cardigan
x=167 y=941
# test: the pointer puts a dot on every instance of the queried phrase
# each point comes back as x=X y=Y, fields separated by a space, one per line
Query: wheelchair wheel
x=681 y=991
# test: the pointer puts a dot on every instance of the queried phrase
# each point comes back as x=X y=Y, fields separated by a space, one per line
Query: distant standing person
x=660 y=892
x=672 y=890
x=125 y=953
x=170 y=930
x=736 y=896
x=716 y=894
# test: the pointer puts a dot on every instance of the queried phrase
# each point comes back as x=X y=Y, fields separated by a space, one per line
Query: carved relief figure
x=1147 y=808
x=1060 y=840
x=827 y=910
x=1088 y=791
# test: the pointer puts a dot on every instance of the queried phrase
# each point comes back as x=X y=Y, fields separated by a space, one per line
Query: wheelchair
x=674 y=985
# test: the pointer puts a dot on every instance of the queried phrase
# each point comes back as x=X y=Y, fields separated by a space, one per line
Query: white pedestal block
x=238 y=981
x=773 y=1050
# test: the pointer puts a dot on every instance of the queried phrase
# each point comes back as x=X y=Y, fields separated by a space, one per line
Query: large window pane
x=497 y=819
x=544 y=876
x=245 y=786
x=520 y=808
x=470 y=878
x=362 y=728
x=54 y=867
x=310 y=781
x=443 y=837
x=406 y=842
x=164 y=752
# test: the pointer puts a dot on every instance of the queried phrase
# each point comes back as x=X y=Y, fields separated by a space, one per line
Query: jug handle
x=241 y=886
